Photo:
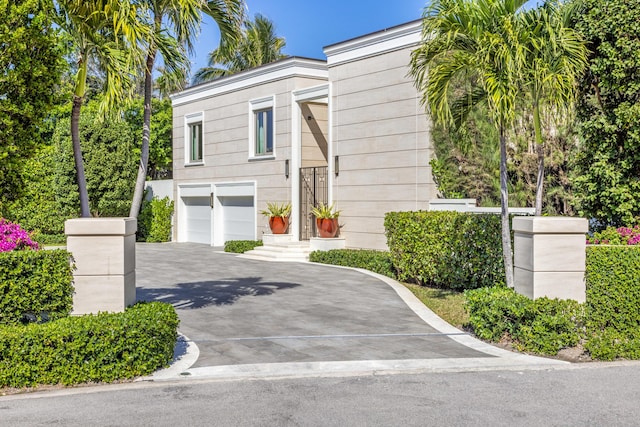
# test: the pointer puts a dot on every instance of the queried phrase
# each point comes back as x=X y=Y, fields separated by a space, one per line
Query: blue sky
x=308 y=26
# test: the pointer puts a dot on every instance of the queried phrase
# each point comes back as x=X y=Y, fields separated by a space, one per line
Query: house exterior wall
x=226 y=137
x=314 y=134
x=380 y=133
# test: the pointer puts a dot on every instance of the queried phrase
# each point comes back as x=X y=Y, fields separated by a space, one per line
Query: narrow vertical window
x=264 y=132
x=195 y=137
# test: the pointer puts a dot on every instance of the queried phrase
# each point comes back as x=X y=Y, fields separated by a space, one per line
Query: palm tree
x=107 y=32
x=477 y=40
x=258 y=45
x=174 y=24
x=556 y=56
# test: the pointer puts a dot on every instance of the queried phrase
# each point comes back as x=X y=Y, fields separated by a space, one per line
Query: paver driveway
x=240 y=311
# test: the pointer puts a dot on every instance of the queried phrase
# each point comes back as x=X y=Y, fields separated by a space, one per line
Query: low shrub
x=241 y=246
x=154 y=222
x=376 y=261
x=93 y=348
x=446 y=249
x=616 y=236
x=613 y=297
x=543 y=325
x=35 y=286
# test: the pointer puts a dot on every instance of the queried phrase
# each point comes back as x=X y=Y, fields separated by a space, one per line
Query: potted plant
x=326 y=220
x=278 y=217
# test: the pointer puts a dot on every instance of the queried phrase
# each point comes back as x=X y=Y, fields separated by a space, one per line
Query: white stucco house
x=348 y=130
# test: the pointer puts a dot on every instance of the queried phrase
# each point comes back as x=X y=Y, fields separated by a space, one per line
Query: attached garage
x=238 y=218
x=195 y=213
x=197 y=219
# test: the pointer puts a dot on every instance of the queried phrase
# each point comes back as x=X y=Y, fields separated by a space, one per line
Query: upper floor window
x=194 y=143
x=262 y=128
x=264 y=132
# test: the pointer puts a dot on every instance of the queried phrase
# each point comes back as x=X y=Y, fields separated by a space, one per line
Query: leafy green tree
x=467 y=161
x=107 y=32
x=607 y=178
x=31 y=63
x=110 y=163
x=173 y=25
x=478 y=40
x=160 y=135
x=258 y=45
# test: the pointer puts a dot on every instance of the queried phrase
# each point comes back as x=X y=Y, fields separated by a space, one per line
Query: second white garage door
x=239 y=218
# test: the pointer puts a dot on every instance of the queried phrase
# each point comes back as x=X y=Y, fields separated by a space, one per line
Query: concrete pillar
x=105 y=257
x=549 y=257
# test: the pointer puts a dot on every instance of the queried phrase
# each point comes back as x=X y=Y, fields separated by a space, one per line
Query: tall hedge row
x=92 y=348
x=446 y=249
x=35 y=286
x=613 y=301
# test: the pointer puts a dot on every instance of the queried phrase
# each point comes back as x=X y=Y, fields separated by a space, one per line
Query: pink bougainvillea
x=13 y=237
x=616 y=236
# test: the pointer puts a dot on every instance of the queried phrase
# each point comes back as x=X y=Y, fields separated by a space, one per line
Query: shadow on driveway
x=211 y=293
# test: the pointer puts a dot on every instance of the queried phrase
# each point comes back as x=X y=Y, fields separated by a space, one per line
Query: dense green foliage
x=154 y=222
x=376 y=261
x=110 y=164
x=543 y=325
x=45 y=204
x=446 y=249
x=613 y=298
x=93 y=348
x=467 y=163
x=51 y=197
x=241 y=246
x=160 y=137
x=35 y=286
x=31 y=63
x=607 y=175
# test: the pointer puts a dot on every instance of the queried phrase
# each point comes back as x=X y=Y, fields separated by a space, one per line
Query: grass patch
x=447 y=304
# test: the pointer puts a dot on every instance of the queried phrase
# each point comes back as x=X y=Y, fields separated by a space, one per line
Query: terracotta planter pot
x=278 y=224
x=327 y=227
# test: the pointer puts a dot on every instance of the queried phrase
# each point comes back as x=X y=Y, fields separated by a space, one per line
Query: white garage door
x=239 y=221
x=198 y=219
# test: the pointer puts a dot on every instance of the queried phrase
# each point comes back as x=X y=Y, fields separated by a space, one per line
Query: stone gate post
x=105 y=258
x=549 y=257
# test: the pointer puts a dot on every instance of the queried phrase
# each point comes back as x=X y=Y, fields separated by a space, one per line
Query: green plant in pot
x=278 y=215
x=326 y=220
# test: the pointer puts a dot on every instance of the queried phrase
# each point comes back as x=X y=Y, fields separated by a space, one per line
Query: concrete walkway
x=249 y=318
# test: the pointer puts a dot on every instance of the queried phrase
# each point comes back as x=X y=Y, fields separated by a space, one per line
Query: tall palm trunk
x=537 y=125
x=504 y=212
x=146 y=131
x=77 y=156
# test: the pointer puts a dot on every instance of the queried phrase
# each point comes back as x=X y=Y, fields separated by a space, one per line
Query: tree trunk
x=77 y=156
x=504 y=212
x=540 y=151
x=146 y=131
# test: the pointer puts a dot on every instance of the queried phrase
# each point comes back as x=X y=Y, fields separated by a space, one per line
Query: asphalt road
x=587 y=395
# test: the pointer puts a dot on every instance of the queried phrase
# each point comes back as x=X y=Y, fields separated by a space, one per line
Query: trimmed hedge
x=446 y=249
x=543 y=325
x=613 y=301
x=241 y=246
x=155 y=220
x=376 y=261
x=94 y=348
x=35 y=286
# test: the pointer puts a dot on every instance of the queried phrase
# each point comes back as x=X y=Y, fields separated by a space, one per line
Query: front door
x=313 y=191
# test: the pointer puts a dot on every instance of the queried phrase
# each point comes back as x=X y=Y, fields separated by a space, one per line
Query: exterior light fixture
x=286 y=168
x=336 y=165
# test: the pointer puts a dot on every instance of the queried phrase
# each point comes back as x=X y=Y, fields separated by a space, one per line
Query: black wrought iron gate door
x=314 y=189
